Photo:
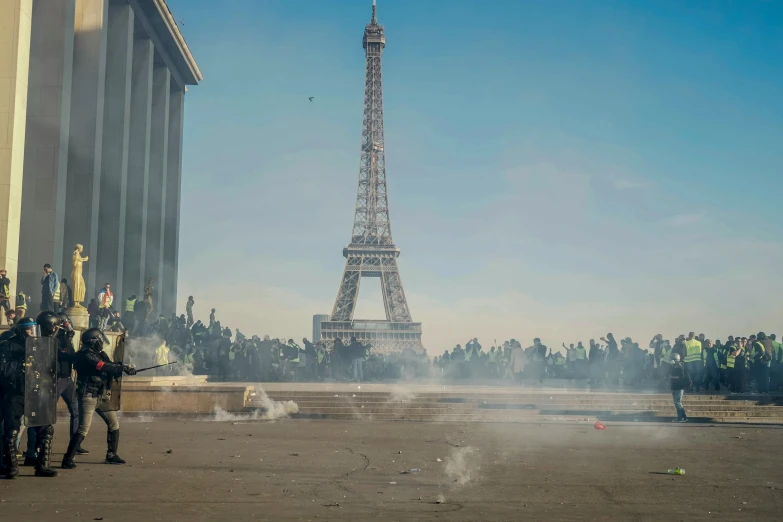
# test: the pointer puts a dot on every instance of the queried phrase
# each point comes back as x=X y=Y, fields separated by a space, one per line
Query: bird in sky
x=311 y=98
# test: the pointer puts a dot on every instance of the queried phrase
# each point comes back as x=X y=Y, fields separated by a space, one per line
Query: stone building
x=91 y=121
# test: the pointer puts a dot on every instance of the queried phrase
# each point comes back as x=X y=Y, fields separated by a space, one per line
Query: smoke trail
x=270 y=410
x=274 y=409
x=463 y=465
x=141 y=352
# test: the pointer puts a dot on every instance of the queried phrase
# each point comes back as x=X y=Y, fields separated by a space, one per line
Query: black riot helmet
x=94 y=339
x=65 y=321
x=49 y=323
x=26 y=327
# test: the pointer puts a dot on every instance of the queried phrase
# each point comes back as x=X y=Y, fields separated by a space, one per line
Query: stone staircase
x=518 y=405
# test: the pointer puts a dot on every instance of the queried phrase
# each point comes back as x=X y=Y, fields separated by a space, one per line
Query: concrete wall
x=91 y=126
x=46 y=143
x=15 y=27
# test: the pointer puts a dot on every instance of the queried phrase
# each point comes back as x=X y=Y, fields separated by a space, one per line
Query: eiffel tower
x=372 y=252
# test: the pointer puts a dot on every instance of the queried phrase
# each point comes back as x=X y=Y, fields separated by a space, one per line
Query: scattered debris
x=414 y=470
x=393 y=483
x=332 y=504
x=218 y=439
x=599 y=426
x=399 y=453
x=294 y=454
x=169 y=451
x=676 y=471
x=438 y=460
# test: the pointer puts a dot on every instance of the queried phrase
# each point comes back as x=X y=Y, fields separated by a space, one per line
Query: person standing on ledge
x=680 y=379
x=189 y=311
x=105 y=300
x=49 y=284
x=5 y=292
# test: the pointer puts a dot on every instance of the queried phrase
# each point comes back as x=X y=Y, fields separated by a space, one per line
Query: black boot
x=82 y=451
x=113 y=442
x=70 y=453
x=10 y=463
x=42 y=469
x=29 y=461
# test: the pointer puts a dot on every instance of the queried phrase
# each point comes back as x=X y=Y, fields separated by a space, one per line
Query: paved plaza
x=353 y=470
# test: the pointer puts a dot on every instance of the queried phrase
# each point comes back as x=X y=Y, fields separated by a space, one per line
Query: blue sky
x=556 y=169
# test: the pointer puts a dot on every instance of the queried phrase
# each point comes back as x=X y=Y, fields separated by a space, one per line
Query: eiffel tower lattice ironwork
x=372 y=252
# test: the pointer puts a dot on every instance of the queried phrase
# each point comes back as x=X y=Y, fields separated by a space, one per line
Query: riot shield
x=116 y=385
x=40 y=381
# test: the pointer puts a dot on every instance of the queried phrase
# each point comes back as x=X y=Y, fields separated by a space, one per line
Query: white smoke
x=140 y=352
x=463 y=465
x=274 y=409
x=270 y=410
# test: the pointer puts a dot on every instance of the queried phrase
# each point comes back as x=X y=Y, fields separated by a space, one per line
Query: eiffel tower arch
x=372 y=252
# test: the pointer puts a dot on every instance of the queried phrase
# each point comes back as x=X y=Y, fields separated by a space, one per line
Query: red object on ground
x=599 y=426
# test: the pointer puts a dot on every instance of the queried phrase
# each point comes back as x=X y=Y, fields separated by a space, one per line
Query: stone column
x=15 y=25
x=138 y=169
x=46 y=143
x=169 y=268
x=86 y=137
x=156 y=197
x=114 y=165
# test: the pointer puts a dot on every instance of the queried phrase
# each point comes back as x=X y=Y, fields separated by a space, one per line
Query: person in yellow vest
x=162 y=357
x=129 y=312
x=776 y=367
x=692 y=359
x=5 y=293
x=492 y=362
x=580 y=354
x=730 y=361
x=737 y=360
x=666 y=359
x=22 y=300
x=762 y=353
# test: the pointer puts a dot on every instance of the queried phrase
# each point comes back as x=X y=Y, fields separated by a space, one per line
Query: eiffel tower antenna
x=372 y=252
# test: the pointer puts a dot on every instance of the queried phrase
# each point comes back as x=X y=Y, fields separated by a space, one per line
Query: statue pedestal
x=80 y=318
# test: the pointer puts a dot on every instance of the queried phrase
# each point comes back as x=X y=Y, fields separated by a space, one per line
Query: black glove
x=129 y=370
x=70 y=334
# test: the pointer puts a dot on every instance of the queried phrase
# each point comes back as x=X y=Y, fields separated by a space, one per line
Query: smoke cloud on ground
x=270 y=410
x=463 y=465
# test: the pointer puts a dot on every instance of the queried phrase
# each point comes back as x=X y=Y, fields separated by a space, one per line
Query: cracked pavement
x=345 y=470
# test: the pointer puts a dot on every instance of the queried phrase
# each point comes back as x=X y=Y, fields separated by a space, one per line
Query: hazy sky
x=556 y=169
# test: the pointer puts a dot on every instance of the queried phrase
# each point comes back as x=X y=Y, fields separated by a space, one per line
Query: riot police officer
x=12 y=384
x=95 y=373
x=58 y=326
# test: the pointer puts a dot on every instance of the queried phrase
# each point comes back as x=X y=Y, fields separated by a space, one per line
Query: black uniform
x=95 y=374
x=66 y=389
x=12 y=383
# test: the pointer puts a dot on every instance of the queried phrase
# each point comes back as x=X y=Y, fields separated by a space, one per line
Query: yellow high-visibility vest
x=129 y=305
x=581 y=353
x=692 y=351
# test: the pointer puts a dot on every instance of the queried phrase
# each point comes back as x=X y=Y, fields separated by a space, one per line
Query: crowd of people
x=740 y=364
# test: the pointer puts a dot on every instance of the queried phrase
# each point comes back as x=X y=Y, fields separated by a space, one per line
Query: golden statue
x=76 y=277
x=148 y=298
